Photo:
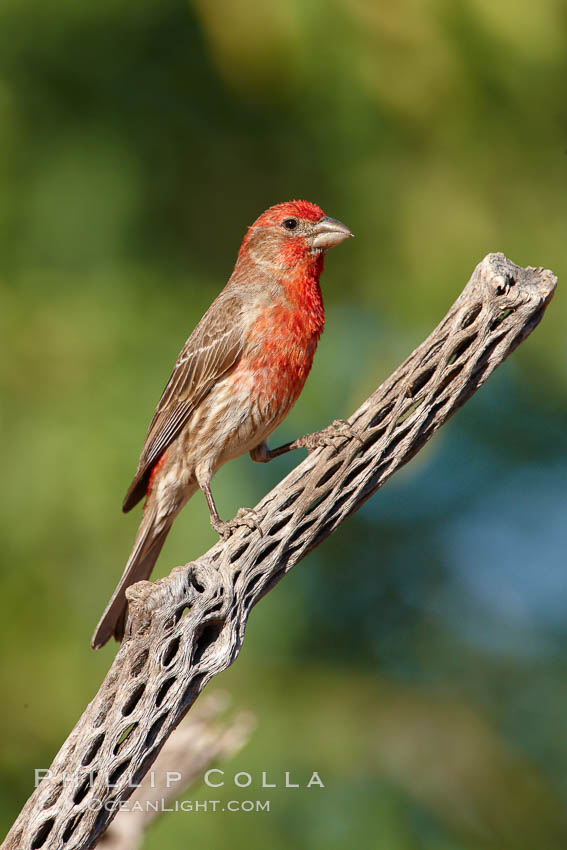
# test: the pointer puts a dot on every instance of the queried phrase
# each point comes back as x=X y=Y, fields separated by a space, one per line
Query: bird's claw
x=334 y=435
x=345 y=429
x=244 y=517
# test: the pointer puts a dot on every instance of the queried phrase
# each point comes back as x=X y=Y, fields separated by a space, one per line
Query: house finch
x=236 y=378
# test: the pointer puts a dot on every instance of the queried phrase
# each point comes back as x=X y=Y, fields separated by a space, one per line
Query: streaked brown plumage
x=236 y=378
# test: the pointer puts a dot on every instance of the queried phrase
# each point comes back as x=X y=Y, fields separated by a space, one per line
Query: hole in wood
x=328 y=474
x=461 y=348
x=193 y=689
x=301 y=529
x=374 y=479
x=448 y=379
x=123 y=738
x=101 y=821
x=482 y=365
x=171 y=651
x=155 y=730
x=394 y=442
x=93 y=749
x=293 y=497
x=162 y=693
x=372 y=439
x=133 y=700
x=252 y=584
x=324 y=531
x=180 y=613
x=499 y=319
x=266 y=551
x=239 y=552
x=40 y=837
x=409 y=410
x=428 y=424
x=422 y=379
x=315 y=503
x=277 y=526
x=170 y=623
x=141 y=771
x=381 y=414
x=354 y=473
x=83 y=789
x=339 y=502
x=206 y=638
x=72 y=826
x=433 y=351
x=117 y=772
x=510 y=282
x=287 y=554
x=471 y=316
x=195 y=583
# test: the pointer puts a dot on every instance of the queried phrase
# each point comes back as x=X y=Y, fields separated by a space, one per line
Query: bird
x=235 y=379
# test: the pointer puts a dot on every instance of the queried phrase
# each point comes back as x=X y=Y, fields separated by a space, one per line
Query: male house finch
x=236 y=378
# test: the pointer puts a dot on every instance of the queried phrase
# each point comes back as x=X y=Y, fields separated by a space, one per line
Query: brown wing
x=212 y=349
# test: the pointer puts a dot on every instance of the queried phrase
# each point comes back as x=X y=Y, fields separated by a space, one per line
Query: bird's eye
x=290 y=223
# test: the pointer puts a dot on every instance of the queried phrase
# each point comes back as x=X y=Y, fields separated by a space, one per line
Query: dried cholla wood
x=188 y=627
x=201 y=739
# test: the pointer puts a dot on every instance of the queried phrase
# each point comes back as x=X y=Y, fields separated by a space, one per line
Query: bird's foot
x=334 y=435
x=244 y=517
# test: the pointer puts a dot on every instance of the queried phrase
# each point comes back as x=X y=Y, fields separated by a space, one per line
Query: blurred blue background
x=417 y=660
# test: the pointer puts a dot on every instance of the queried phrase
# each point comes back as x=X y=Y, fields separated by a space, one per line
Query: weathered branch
x=201 y=739
x=188 y=627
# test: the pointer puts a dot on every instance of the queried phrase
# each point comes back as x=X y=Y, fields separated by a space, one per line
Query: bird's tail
x=147 y=546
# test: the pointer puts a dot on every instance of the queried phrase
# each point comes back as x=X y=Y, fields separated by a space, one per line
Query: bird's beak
x=329 y=232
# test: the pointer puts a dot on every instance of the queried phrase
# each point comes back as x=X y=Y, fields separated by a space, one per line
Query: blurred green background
x=417 y=661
